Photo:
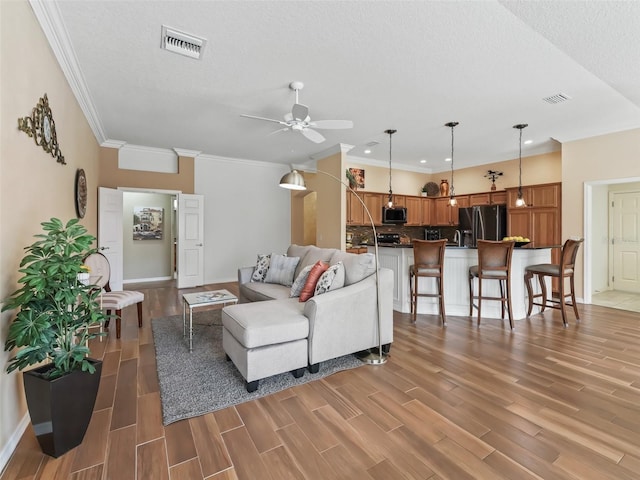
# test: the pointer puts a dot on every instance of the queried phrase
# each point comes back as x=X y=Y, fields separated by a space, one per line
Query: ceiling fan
x=299 y=120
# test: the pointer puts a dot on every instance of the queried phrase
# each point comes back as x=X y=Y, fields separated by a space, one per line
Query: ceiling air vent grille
x=557 y=98
x=182 y=43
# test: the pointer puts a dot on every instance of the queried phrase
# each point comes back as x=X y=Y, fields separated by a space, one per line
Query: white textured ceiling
x=410 y=66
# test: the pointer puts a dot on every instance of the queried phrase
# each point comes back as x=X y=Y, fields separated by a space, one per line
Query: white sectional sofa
x=267 y=332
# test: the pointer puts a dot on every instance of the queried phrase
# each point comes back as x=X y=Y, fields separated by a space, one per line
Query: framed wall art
x=148 y=223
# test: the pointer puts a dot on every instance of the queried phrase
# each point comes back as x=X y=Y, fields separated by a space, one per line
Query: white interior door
x=190 y=240
x=110 y=240
x=626 y=241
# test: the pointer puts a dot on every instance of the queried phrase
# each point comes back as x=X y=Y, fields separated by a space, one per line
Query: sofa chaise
x=270 y=332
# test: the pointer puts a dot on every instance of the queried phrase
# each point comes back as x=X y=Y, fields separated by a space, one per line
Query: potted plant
x=55 y=312
x=423 y=192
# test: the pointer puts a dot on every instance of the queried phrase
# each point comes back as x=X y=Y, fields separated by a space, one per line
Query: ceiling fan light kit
x=299 y=120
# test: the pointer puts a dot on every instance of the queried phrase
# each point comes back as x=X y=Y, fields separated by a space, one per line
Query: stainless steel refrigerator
x=484 y=222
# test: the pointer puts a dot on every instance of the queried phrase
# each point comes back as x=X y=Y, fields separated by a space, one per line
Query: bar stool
x=562 y=271
x=428 y=262
x=494 y=263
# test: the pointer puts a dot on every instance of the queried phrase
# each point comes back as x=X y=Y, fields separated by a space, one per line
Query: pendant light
x=390 y=202
x=520 y=201
x=452 y=196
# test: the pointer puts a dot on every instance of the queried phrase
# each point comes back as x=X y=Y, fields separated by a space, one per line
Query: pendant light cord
x=520 y=167
x=451 y=189
x=390 y=132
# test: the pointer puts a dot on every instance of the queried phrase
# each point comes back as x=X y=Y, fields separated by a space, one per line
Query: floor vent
x=557 y=98
x=182 y=43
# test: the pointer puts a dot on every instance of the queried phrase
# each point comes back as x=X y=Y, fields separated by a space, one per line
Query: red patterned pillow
x=310 y=285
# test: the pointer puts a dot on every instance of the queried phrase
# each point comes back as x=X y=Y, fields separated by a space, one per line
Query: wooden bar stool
x=562 y=271
x=428 y=262
x=494 y=263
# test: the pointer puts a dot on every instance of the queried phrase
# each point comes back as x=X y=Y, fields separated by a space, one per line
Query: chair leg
x=563 y=306
x=543 y=287
x=502 y=299
x=527 y=281
x=479 y=300
x=118 y=320
x=441 y=293
x=509 y=307
x=139 y=314
x=573 y=297
x=414 y=298
x=470 y=295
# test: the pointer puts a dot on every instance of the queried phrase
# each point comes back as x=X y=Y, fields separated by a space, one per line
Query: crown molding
x=337 y=148
x=50 y=19
x=113 y=144
x=183 y=152
x=254 y=163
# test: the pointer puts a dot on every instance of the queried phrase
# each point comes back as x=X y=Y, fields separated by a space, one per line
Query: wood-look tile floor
x=543 y=402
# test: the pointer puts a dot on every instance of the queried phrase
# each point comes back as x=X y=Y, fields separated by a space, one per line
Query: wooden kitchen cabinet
x=479 y=199
x=545 y=195
x=374 y=202
x=426 y=210
x=444 y=214
x=355 y=211
x=414 y=210
x=499 y=198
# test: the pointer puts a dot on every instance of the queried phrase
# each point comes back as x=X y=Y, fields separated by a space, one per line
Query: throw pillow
x=310 y=285
x=299 y=282
x=262 y=266
x=281 y=270
x=331 y=279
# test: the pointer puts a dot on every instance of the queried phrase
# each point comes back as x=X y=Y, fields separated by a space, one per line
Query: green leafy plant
x=55 y=309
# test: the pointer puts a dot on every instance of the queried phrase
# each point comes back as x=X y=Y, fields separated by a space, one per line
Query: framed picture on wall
x=358 y=174
x=148 y=223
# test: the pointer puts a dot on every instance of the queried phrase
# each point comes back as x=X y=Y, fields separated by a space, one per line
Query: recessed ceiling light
x=367 y=151
x=447 y=159
x=528 y=142
x=423 y=161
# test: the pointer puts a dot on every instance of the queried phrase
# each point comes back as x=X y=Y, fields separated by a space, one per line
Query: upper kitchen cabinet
x=355 y=211
x=414 y=211
x=499 y=198
x=374 y=202
x=545 y=195
x=479 y=199
x=426 y=209
x=443 y=213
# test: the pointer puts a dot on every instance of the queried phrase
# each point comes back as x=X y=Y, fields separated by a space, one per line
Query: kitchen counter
x=456 y=280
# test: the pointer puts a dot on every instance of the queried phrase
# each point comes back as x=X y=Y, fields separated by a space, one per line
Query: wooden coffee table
x=202 y=299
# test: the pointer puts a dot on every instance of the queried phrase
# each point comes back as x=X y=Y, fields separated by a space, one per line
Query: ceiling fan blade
x=300 y=112
x=278 y=131
x=262 y=118
x=332 y=124
x=313 y=135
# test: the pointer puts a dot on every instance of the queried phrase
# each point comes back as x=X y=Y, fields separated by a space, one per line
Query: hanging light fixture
x=520 y=201
x=390 y=202
x=452 y=195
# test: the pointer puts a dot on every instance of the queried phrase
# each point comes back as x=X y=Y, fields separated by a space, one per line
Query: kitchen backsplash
x=363 y=235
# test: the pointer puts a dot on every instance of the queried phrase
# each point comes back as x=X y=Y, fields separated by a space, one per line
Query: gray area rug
x=203 y=381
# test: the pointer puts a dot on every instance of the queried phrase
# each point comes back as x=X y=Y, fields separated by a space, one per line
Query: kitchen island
x=457 y=261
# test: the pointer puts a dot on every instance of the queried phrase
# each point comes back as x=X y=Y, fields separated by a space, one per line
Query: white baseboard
x=8 y=449
x=143 y=280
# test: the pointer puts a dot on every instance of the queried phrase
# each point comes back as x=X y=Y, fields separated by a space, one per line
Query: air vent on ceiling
x=372 y=144
x=557 y=98
x=182 y=43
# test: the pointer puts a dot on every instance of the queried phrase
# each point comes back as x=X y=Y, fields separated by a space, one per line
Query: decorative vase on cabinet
x=444 y=188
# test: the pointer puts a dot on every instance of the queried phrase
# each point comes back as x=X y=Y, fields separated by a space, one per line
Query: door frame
x=588 y=230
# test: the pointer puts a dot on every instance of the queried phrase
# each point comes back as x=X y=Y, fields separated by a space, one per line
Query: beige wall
x=33 y=187
x=111 y=176
x=603 y=158
x=536 y=169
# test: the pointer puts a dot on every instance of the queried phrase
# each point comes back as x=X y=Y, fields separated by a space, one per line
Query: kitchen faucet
x=457 y=238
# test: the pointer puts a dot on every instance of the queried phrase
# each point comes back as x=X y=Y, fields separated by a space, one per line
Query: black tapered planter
x=61 y=408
